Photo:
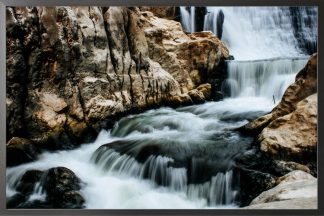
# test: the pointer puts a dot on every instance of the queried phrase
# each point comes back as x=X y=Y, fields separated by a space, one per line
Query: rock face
x=294 y=186
x=72 y=69
x=293 y=136
x=167 y=12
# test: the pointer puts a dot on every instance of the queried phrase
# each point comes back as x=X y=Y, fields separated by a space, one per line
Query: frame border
x=4 y=3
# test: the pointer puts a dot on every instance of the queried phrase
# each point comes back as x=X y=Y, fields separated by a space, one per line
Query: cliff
x=72 y=70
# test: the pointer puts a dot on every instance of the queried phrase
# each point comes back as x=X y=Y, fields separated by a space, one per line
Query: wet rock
x=59 y=185
x=283 y=167
x=200 y=18
x=252 y=183
x=20 y=150
x=60 y=180
x=28 y=180
x=72 y=199
x=15 y=200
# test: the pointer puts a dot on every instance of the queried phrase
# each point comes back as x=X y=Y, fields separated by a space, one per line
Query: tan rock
x=54 y=102
x=205 y=89
x=293 y=176
x=195 y=55
x=100 y=62
x=196 y=96
x=301 y=203
x=293 y=186
x=293 y=136
x=162 y=12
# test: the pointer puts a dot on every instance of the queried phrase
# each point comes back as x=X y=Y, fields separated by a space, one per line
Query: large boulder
x=294 y=186
x=300 y=203
x=73 y=69
x=293 y=136
x=60 y=186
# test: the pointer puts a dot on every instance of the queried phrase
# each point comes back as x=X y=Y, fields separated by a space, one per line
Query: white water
x=188 y=19
x=258 y=32
x=262 y=78
x=120 y=184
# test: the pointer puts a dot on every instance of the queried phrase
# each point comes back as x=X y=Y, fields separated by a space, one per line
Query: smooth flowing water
x=163 y=158
x=253 y=33
x=185 y=157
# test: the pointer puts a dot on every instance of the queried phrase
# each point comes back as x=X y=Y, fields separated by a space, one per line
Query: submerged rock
x=60 y=180
x=28 y=181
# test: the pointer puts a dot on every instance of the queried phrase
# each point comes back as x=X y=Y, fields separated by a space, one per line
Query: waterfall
x=188 y=18
x=270 y=46
x=190 y=166
x=262 y=32
x=262 y=78
x=185 y=158
x=218 y=191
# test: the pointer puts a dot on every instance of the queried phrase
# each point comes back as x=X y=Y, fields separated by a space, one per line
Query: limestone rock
x=70 y=70
x=301 y=203
x=293 y=136
x=296 y=175
x=295 y=185
x=283 y=167
x=167 y=12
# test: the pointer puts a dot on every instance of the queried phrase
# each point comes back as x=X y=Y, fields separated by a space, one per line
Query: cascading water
x=188 y=18
x=261 y=78
x=261 y=32
x=185 y=157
